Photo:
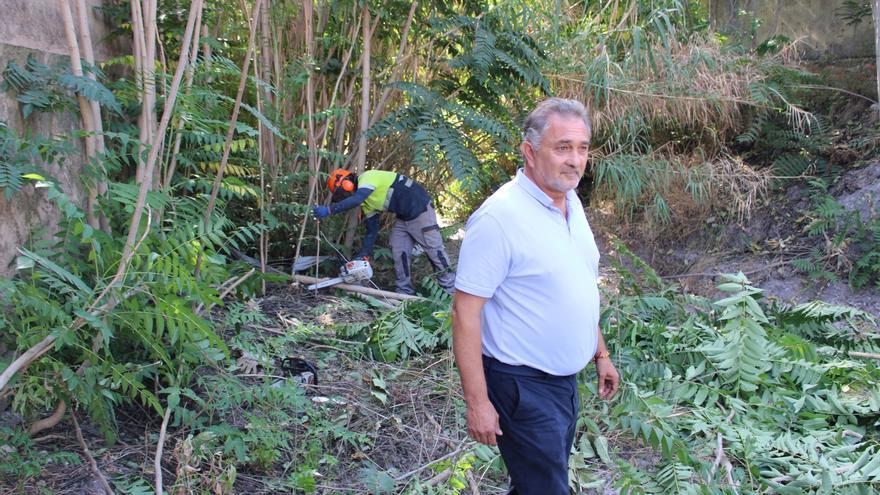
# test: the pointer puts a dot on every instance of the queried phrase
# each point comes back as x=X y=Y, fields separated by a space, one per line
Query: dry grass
x=686 y=89
x=693 y=85
x=740 y=185
x=693 y=187
x=678 y=114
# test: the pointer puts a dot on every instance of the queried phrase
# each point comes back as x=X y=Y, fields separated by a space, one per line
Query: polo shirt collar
x=534 y=191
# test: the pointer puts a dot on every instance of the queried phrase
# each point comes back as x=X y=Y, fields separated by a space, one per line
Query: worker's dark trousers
x=537 y=414
x=424 y=231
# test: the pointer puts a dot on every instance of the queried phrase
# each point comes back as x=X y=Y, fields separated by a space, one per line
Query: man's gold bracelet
x=601 y=355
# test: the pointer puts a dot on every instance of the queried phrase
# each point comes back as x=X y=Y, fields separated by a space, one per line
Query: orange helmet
x=341 y=178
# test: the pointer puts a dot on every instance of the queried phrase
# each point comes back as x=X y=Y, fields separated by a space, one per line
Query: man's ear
x=528 y=152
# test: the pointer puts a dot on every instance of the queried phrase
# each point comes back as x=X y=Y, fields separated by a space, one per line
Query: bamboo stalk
x=85 y=109
x=345 y=61
x=190 y=74
x=89 y=56
x=398 y=67
x=365 y=91
x=140 y=48
x=867 y=355
x=148 y=9
x=364 y=123
x=227 y=146
x=268 y=144
x=341 y=127
x=313 y=172
x=264 y=240
x=195 y=8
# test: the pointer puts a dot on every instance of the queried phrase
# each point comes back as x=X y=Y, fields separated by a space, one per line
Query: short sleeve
x=484 y=259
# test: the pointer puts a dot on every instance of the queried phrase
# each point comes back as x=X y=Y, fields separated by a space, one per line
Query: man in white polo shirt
x=526 y=306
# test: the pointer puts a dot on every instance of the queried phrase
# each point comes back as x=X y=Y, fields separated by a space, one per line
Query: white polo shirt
x=539 y=272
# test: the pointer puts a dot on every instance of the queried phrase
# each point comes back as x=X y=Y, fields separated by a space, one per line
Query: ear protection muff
x=346 y=184
x=341 y=179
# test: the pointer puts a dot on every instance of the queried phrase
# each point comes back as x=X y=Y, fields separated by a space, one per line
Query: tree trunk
x=190 y=74
x=398 y=66
x=230 y=133
x=364 y=124
x=142 y=74
x=150 y=164
x=310 y=125
x=88 y=53
x=268 y=147
x=336 y=122
x=85 y=109
x=365 y=93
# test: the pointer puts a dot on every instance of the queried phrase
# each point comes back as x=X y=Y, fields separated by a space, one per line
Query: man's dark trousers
x=537 y=414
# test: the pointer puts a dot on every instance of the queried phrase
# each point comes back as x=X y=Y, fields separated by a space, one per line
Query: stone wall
x=817 y=23
x=34 y=28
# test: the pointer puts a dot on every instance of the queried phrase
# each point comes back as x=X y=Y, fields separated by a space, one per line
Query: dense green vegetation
x=769 y=397
x=218 y=147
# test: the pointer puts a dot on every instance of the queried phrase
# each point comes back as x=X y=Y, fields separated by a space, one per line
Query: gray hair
x=536 y=122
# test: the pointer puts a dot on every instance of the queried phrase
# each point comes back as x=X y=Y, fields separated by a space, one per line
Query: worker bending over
x=377 y=191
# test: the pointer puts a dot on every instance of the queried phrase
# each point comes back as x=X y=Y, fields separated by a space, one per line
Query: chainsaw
x=351 y=272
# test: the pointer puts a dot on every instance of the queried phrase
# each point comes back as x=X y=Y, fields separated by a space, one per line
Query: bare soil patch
x=764 y=246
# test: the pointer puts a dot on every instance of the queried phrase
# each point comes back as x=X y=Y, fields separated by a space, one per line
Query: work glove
x=321 y=211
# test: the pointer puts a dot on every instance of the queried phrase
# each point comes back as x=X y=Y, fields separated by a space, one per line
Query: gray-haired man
x=526 y=306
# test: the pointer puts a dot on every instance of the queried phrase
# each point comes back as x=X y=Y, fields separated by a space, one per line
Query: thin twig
x=722 y=459
x=472 y=483
x=831 y=88
x=227 y=290
x=440 y=478
x=454 y=453
x=92 y=464
x=157 y=462
x=867 y=355
x=46 y=438
x=237 y=283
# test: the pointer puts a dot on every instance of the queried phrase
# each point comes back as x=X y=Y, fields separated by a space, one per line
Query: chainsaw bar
x=326 y=283
x=351 y=272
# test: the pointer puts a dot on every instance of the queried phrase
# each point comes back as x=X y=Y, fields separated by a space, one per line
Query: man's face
x=339 y=194
x=558 y=164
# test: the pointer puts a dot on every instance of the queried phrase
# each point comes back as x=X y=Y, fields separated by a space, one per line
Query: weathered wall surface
x=816 y=22
x=34 y=28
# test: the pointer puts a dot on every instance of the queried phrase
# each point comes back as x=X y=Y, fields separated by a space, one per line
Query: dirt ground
x=421 y=421
x=764 y=246
x=416 y=425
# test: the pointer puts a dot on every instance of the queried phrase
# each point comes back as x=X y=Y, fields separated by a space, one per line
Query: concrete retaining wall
x=34 y=28
x=816 y=22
